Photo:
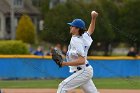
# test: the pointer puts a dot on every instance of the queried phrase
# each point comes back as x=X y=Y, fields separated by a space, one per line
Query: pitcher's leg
x=74 y=81
x=89 y=87
x=61 y=89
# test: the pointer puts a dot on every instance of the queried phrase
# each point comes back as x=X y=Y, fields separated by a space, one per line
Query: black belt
x=79 y=68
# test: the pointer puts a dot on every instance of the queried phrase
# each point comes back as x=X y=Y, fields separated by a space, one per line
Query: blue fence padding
x=46 y=68
x=116 y=68
x=31 y=68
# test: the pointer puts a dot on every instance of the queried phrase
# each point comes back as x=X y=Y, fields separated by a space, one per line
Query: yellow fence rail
x=89 y=57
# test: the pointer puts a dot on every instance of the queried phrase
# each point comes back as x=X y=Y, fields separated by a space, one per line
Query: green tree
x=56 y=21
x=104 y=31
x=44 y=6
x=25 y=30
x=129 y=21
x=57 y=18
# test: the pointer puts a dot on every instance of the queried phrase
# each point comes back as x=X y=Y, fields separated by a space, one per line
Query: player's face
x=73 y=30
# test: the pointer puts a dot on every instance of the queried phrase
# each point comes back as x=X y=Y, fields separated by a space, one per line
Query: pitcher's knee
x=62 y=88
x=62 y=84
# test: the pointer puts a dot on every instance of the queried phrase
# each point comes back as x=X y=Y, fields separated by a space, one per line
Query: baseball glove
x=56 y=56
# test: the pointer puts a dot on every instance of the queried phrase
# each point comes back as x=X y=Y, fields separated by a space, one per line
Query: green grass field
x=114 y=83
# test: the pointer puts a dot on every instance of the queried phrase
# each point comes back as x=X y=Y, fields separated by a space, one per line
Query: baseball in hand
x=94 y=14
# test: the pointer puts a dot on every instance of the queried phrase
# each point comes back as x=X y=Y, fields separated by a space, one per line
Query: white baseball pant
x=82 y=78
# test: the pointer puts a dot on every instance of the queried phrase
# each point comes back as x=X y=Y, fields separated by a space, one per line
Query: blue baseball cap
x=78 y=23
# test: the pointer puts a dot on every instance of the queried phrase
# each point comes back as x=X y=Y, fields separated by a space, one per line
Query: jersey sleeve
x=87 y=38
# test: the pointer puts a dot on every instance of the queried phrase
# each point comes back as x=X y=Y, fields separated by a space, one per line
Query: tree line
x=118 y=21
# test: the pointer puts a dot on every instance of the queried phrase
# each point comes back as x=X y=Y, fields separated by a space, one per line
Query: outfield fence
x=40 y=67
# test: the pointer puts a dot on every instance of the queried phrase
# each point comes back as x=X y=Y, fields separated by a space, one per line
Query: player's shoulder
x=86 y=34
x=77 y=39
